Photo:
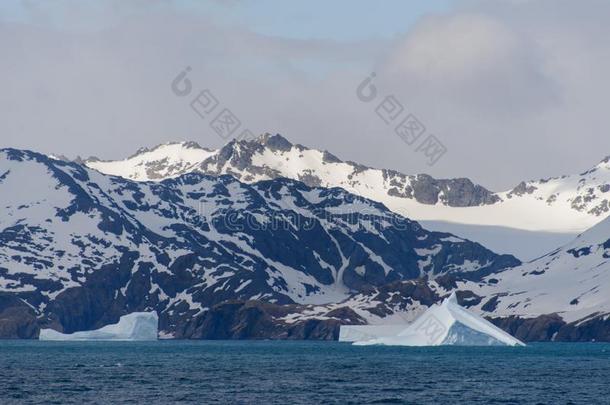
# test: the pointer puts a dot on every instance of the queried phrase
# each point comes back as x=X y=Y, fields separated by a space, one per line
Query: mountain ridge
x=79 y=248
x=544 y=211
x=279 y=143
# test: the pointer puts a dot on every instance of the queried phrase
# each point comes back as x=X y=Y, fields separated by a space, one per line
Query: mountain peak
x=167 y=160
x=604 y=163
x=274 y=142
x=183 y=144
x=142 y=150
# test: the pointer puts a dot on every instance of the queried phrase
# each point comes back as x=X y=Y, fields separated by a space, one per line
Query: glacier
x=134 y=326
x=444 y=324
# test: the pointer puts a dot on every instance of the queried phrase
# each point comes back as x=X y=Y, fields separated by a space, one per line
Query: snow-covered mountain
x=219 y=258
x=528 y=220
x=562 y=296
x=161 y=162
x=78 y=248
x=569 y=286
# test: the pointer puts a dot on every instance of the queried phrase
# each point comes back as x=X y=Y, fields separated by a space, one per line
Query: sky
x=514 y=89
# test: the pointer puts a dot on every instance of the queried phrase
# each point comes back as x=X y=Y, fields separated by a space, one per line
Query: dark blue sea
x=262 y=372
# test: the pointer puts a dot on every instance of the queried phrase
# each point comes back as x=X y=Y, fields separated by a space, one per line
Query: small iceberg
x=444 y=324
x=134 y=326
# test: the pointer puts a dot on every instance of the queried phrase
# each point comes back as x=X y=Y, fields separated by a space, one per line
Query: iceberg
x=134 y=326
x=444 y=324
x=356 y=333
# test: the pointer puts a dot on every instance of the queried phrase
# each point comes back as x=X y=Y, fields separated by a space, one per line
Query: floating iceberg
x=444 y=324
x=360 y=333
x=135 y=326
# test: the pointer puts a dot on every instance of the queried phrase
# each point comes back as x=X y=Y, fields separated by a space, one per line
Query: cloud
x=514 y=89
x=107 y=92
x=455 y=46
x=476 y=59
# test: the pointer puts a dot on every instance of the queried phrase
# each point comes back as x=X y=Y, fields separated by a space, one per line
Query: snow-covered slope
x=572 y=281
x=544 y=211
x=161 y=162
x=564 y=296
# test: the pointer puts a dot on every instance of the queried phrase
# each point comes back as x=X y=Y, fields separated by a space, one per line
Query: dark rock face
x=310 y=180
x=398 y=296
x=235 y=159
x=491 y=304
x=547 y=328
x=453 y=192
x=601 y=208
x=521 y=189
x=468 y=298
x=235 y=320
x=596 y=329
x=540 y=329
x=328 y=157
x=427 y=190
x=258 y=320
x=585 y=251
x=276 y=142
x=17 y=319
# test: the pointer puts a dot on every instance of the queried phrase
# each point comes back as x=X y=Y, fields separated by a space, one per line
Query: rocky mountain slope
x=526 y=221
x=79 y=248
x=568 y=288
x=563 y=296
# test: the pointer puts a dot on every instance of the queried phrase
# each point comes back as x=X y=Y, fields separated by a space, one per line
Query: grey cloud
x=514 y=89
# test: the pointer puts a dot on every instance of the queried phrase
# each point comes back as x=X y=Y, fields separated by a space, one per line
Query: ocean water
x=263 y=372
